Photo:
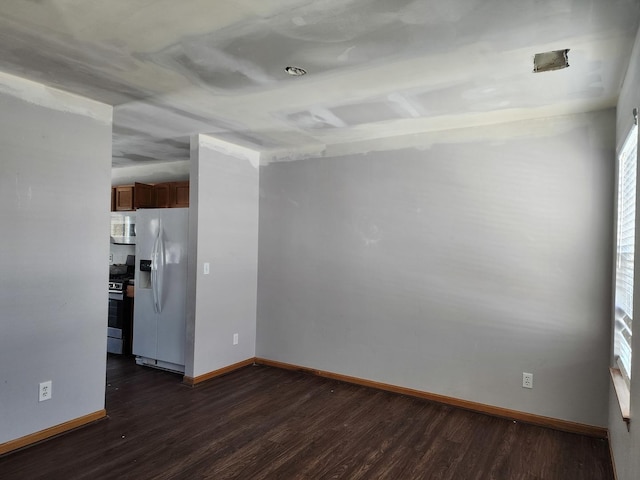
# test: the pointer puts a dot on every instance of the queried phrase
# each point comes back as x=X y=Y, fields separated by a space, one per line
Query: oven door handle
x=116 y=295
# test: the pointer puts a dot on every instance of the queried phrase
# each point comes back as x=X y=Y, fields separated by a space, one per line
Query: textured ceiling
x=377 y=68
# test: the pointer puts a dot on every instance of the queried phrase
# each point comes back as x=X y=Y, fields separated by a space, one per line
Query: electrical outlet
x=527 y=380
x=111 y=258
x=235 y=338
x=44 y=391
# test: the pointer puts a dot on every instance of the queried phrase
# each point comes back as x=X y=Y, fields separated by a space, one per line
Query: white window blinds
x=627 y=174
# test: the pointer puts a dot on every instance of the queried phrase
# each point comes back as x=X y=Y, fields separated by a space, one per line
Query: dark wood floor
x=265 y=423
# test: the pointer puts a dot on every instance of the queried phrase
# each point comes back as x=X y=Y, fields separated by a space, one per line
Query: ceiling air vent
x=547 y=61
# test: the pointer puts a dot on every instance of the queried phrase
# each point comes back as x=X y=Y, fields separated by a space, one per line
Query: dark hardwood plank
x=266 y=423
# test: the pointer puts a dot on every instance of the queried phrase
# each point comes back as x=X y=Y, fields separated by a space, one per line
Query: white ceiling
x=377 y=68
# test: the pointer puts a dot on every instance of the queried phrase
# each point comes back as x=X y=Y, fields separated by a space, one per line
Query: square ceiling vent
x=547 y=61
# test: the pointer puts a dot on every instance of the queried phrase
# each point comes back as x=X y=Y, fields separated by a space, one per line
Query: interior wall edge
x=51 y=98
x=194 y=381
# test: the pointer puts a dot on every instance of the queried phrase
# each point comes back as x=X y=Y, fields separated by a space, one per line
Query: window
x=627 y=163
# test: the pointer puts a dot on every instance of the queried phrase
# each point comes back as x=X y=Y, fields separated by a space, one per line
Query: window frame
x=620 y=315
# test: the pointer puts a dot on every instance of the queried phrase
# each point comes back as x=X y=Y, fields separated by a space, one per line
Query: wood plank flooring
x=265 y=423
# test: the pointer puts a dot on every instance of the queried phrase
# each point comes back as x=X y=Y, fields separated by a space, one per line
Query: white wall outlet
x=44 y=392
x=111 y=258
x=527 y=380
x=205 y=268
x=235 y=338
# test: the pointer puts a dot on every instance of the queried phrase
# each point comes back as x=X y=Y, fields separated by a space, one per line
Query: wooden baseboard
x=51 y=432
x=193 y=381
x=562 y=425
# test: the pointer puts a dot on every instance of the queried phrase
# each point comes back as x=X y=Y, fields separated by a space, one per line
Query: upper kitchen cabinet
x=131 y=197
x=142 y=195
x=122 y=198
x=171 y=194
x=181 y=194
x=162 y=195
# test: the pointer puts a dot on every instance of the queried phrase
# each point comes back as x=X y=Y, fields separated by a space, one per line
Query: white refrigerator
x=159 y=312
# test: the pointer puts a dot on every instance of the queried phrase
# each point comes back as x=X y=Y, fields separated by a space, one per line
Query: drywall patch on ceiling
x=436 y=13
x=404 y=104
x=248 y=55
x=316 y=118
x=85 y=68
x=209 y=66
x=147 y=147
x=345 y=56
x=299 y=21
x=441 y=100
x=403 y=127
x=305 y=152
x=368 y=112
x=336 y=21
x=331 y=34
x=276 y=139
x=350 y=114
x=499 y=132
x=160 y=120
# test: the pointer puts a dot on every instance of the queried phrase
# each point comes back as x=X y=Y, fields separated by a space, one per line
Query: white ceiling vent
x=547 y=61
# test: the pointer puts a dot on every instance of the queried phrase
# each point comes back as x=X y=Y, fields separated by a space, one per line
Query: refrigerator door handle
x=160 y=269
x=154 y=274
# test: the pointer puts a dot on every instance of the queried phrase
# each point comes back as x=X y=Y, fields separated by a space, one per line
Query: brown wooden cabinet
x=171 y=194
x=162 y=195
x=181 y=194
x=142 y=195
x=123 y=198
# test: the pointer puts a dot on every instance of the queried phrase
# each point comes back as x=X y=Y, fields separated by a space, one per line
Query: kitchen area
x=148 y=273
x=121 y=295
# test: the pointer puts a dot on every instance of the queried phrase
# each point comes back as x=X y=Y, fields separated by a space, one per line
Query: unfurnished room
x=305 y=239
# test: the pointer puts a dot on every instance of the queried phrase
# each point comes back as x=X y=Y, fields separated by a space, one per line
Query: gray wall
x=451 y=267
x=55 y=170
x=626 y=444
x=223 y=231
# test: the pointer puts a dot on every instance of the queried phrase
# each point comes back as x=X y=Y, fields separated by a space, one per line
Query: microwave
x=123 y=228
